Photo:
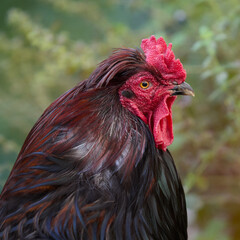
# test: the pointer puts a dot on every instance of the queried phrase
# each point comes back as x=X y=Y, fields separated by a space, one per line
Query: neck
x=107 y=172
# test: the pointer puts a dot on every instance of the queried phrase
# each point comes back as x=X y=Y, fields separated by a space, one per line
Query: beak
x=182 y=89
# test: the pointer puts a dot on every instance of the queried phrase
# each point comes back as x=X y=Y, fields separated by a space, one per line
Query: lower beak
x=182 y=89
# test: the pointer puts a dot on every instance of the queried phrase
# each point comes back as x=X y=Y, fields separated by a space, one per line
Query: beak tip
x=189 y=93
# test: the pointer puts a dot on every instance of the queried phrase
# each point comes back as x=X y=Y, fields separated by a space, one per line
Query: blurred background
x=48 y=46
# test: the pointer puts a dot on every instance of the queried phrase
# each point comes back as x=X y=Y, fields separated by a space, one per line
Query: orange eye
x=144 y=84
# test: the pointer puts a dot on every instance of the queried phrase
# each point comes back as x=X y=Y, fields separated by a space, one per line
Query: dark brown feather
x=89 y=169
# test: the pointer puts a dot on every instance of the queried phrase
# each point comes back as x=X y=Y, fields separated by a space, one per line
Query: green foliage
x=48 y=46
x=213 y=231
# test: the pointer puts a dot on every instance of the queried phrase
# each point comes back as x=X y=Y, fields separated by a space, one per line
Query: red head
x=150 y=94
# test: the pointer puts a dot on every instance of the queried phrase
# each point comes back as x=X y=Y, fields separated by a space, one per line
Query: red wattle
x=160 y=123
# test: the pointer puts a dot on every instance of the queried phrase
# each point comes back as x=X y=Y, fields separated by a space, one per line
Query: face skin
x=150 y=96
x=151 y=100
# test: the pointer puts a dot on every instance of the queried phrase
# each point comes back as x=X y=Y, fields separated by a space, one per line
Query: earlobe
x=127 y=93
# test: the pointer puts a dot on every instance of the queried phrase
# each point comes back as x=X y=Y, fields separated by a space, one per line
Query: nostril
x=175 y=88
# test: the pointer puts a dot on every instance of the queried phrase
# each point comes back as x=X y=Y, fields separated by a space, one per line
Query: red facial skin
x=152 y=105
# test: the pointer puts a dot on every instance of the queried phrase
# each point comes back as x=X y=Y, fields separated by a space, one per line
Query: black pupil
x=144 y=84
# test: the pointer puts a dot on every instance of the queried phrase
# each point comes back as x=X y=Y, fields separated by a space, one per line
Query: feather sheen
x=89 y=169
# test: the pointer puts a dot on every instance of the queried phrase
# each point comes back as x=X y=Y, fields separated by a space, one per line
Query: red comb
x=162 y=58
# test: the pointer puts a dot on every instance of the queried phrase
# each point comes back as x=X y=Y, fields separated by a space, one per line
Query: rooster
x=96 y=164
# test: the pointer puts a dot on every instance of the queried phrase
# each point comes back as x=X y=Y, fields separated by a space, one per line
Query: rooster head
x=150 y=93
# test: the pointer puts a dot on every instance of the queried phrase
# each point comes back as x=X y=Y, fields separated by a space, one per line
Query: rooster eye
x=144 y=84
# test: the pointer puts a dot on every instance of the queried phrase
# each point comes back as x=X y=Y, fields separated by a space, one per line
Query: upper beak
x=183 y=89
